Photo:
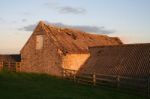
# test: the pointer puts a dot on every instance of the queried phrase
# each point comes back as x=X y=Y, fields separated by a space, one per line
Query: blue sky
x=127 y=19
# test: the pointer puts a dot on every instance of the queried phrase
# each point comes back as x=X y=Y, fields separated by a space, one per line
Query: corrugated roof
x=125 y=60
x=75 y=41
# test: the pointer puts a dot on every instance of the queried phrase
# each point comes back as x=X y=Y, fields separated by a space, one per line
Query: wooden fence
x=1 y=65
x=69 y=74
x=10 y=66
x=129 y=84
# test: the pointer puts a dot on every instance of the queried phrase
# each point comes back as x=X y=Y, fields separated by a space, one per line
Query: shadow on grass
x=42 y=86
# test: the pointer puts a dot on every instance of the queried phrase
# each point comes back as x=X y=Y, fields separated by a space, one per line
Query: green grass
x=40 y=86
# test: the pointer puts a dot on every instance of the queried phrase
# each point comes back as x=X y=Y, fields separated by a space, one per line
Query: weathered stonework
x=74 y=61
x=45 y=60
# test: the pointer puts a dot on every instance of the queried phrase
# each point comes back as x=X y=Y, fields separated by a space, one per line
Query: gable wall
x=46 y=60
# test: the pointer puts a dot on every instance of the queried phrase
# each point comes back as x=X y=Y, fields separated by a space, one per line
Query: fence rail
x=1 y=65
x=135 y=85
x=10 y=66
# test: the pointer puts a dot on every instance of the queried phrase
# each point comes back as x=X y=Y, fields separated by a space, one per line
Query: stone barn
x=132 y=60
x=51 y=49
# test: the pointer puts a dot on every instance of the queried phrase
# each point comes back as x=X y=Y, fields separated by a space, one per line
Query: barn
x=51 y=49
x=129 y=60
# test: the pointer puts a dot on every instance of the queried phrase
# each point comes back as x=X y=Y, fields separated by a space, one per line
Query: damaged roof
x=74 y=41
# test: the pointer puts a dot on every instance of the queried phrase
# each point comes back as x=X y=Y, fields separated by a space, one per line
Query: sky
x=127 y=19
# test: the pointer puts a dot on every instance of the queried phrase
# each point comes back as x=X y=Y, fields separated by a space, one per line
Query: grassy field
x=40 y=86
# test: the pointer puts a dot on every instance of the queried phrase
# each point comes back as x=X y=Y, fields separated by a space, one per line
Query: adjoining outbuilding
x=129 y=60
x=10 y=58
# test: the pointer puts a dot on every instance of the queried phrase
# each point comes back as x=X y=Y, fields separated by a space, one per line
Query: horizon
x=128 y=20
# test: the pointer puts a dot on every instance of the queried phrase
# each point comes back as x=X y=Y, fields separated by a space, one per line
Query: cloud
x=24 y=20
x=28 y=28
x=71 y=10
x=65 y=9
x=52 y=4
x=27 y=14
x=85 y=28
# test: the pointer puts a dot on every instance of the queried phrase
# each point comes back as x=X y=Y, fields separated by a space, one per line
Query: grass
x=41 y=86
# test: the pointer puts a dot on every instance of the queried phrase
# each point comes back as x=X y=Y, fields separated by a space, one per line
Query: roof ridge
x=70 y=29
x=51 y=26
x=42 y=23
x=121 y=45
x=65 y=38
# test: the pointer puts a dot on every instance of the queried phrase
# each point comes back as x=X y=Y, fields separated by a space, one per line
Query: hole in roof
x=72 y=35
x=91 y=39
x=99 y=52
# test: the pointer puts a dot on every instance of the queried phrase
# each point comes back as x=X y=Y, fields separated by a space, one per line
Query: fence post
x=148 y=87
x=74 y=76
x=64 y=75
x=118 y=81
x=1 y=66
x=9 y=66
x=94 y=79
x=18 y=66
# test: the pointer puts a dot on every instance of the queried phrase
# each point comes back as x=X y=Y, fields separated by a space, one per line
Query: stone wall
x=45 y=60
x=74 y=61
